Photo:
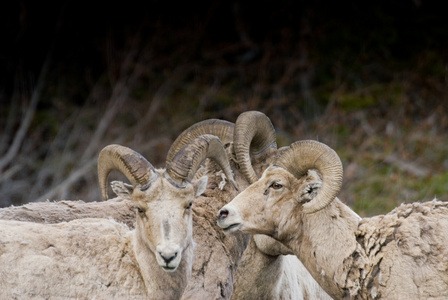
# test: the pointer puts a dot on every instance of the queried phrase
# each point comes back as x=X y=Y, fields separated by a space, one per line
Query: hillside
x=370 y=81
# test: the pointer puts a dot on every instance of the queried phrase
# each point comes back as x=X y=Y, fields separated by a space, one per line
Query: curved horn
x=222 y=129
x=133 y=165
x=254 y=134
x=304 y=155
x=187 y=161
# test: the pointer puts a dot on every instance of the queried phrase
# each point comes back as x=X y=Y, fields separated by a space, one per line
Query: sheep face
x=163 y=217
x=270 y=201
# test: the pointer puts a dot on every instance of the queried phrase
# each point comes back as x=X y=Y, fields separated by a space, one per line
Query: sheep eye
x=276 y=186
x=140 y=210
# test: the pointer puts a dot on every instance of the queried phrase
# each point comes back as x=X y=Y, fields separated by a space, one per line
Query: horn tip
x=235 y=185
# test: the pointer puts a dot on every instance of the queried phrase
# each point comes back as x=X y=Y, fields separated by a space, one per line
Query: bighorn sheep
x=100 y=258
x=262 y=273
x=267 y=270
x=400 y=255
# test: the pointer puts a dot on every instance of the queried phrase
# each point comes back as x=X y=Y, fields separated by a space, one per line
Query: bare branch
x=74 y=176
x=8 y=129
x=25 y=124
x=407 y=166
x=120 y=94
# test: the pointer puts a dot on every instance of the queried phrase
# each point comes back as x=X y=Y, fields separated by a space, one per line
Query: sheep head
x=304 y=179
x=163 y=197
x=163 y=216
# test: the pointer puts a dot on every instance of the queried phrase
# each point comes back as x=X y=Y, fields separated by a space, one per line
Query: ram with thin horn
x=103 y=259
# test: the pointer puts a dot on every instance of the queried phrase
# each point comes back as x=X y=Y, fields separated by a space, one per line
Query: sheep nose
x=223 y=213
x=167 y=260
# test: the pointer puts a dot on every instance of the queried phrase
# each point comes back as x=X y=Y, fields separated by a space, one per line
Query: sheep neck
x=325 y=239
x=160 y=284
x=256 y=269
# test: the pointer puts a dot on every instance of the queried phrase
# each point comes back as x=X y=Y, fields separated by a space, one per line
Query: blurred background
x=368 y=79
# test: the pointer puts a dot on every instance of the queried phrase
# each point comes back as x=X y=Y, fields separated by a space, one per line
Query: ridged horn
x=132 y=164
x=220 y=128
x=254 y=134
x=302 y=156
x=188 y=159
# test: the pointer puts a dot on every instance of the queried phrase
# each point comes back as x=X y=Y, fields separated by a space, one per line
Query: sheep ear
x=122 y=190
x=200 y=185
x=310 y=188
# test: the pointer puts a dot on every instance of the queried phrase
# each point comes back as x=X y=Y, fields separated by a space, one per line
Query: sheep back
x=50 y=212
x=404 y=249
x=81 y=259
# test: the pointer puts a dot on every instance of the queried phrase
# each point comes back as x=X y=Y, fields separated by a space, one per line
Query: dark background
x=369 y=79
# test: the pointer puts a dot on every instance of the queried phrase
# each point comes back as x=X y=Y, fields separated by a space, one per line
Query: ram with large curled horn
x=399 y=255
x=255 y=149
